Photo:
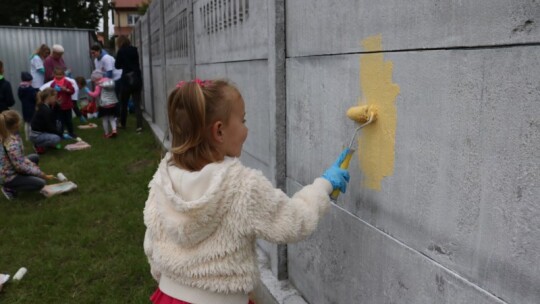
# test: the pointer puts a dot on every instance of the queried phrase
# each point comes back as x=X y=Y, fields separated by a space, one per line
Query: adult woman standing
x=37 y=69
x=127 y=59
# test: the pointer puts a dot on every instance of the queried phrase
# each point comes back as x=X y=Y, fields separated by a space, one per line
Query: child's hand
x=49 y=176
x=336 y=176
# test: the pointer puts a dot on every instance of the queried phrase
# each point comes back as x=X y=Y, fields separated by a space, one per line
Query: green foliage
x=144 y=7
x=51 y=13
x=84 y=246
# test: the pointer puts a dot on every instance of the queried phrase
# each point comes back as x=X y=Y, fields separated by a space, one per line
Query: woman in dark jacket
x=127 y=59
x=45 y=127
x=6 y=94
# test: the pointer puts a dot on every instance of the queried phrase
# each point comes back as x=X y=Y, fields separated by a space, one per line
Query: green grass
x=84 y=246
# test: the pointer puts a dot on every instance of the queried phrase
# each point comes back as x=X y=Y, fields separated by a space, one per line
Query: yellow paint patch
x=376 y=141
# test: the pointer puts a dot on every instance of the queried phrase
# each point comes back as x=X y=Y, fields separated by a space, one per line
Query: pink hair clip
x=201 y=83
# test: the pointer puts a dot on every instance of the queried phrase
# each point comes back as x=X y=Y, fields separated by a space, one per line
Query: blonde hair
x=8 y=119
x=192 y=108
x=43 y=95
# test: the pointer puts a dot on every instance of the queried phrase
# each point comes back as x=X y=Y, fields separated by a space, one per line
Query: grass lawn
x=84 y=246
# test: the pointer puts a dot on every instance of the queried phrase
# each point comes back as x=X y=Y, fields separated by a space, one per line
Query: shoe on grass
x=39 y=150
x=8 y=193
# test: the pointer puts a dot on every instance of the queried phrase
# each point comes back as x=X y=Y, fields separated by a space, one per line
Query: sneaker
x=67 y=136
x=8 y=193
x=113 y=134
x=138 y=130
x=83 y=119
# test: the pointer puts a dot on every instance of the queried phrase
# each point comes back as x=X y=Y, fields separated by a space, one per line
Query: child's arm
x=275 y=217
x=96 y=92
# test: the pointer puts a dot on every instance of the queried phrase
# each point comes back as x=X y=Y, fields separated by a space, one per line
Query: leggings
x=109 y=120
x=67 y=123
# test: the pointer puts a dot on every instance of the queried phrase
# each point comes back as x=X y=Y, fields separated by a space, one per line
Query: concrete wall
x=443 y=201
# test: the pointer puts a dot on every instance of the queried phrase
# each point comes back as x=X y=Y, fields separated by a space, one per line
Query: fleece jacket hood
x=189 y=206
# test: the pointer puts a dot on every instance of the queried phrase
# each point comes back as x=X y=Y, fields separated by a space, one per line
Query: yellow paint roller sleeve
x=376 y=142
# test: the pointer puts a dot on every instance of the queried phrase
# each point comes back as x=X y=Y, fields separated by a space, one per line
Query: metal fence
x=18 y=43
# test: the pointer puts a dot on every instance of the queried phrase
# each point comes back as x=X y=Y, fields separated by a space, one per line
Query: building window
x=132 y=19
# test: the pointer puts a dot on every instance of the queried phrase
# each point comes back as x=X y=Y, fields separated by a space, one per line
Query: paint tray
x=87 y=126
x=80 y=145
x=59 y=188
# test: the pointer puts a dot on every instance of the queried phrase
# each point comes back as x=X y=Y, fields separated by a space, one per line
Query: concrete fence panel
x=336 y=27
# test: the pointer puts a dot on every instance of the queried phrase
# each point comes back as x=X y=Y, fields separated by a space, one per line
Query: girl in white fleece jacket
x=205 y=209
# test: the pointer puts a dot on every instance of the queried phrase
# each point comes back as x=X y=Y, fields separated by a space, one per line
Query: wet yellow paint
x=376 y=141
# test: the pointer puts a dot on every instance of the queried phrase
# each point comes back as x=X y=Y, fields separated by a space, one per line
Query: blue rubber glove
x=87 y=90
x=336 y=176
x=57 y=88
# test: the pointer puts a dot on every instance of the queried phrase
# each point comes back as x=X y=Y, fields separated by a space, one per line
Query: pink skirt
x=160 y=298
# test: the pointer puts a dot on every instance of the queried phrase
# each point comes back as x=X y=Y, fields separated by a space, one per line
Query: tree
x=53 y=13
x=105 y=13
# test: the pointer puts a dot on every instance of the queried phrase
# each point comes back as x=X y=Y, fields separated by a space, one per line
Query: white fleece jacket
x=202 y=226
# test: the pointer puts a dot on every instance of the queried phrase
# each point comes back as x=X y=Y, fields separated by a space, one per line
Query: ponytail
x=192 y=108
x=4 y=133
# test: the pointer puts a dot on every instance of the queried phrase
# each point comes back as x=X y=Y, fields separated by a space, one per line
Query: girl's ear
x=217 y=132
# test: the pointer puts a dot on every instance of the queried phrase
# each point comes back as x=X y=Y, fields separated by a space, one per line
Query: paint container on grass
x=61 y=177
x=20 y=274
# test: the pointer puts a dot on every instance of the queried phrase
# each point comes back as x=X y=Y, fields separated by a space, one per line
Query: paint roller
x=363 y=115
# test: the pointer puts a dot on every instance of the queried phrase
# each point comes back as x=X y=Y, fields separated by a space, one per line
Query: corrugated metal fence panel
x=18 y=43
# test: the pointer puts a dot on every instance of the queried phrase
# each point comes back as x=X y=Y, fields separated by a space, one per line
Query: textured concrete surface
x=336 y=27
x=466 y=181
x=230 y=31
x=458 y=220
x=350 y=261
x=271 y=290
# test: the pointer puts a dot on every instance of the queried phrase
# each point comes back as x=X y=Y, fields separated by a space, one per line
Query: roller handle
x=344 y=165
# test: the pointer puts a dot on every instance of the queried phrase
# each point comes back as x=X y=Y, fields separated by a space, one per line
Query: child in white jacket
x=205 y=209
x=104 y=90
